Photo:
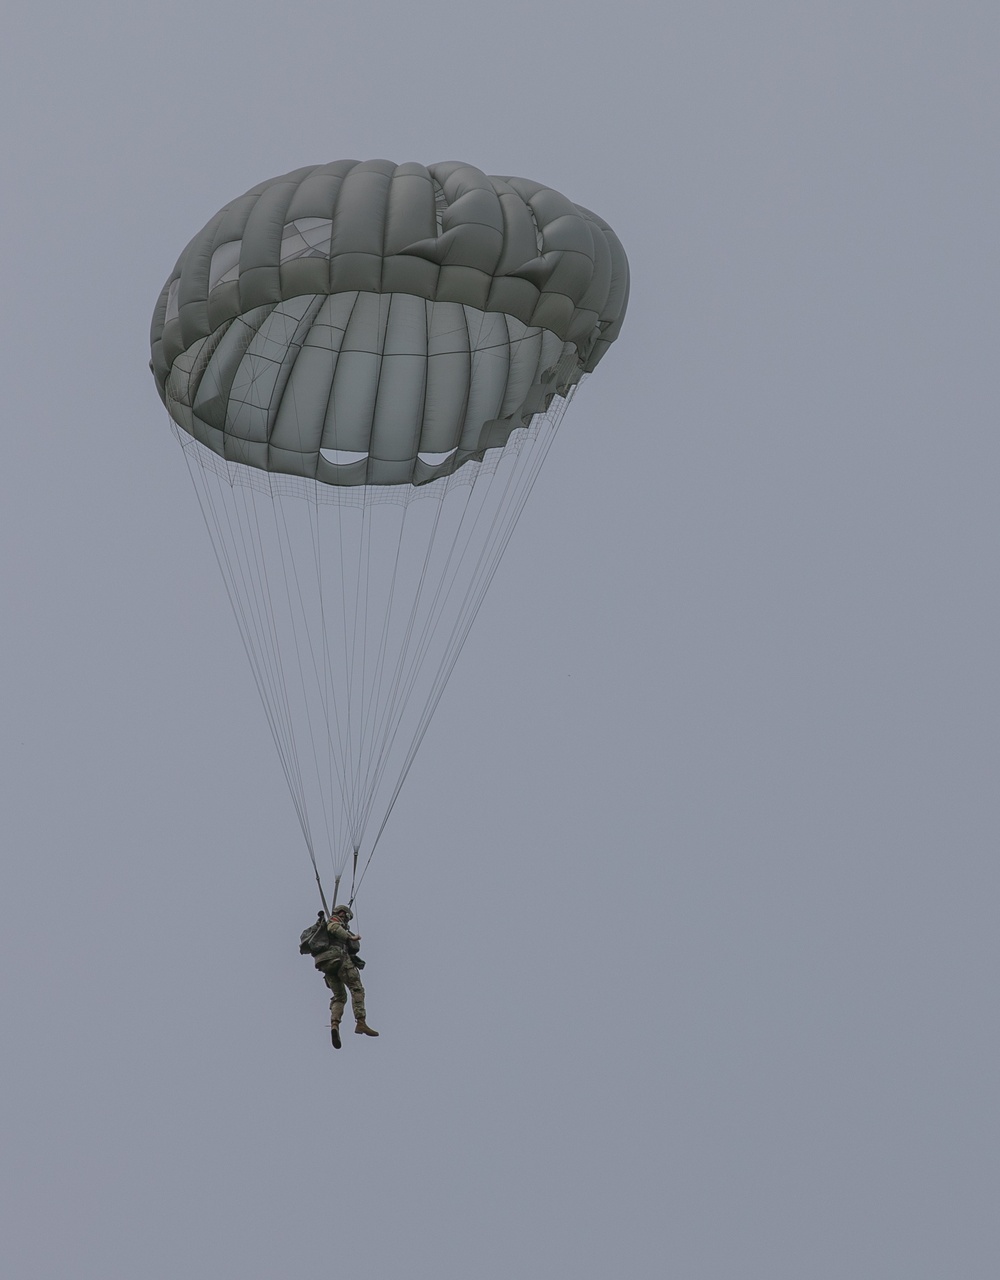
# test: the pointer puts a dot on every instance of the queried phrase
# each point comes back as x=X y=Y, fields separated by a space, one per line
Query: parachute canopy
x=365 y=364
x=368 y=323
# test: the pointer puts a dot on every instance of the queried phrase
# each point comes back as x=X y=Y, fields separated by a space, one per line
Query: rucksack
x=314 y=939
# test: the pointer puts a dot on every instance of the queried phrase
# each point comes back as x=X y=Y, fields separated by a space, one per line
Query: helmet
x=343 y=910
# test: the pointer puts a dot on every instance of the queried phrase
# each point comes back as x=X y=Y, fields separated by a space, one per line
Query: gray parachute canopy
x=379 y=324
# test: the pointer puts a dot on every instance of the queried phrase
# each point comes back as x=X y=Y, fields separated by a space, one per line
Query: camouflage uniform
x=340 y=973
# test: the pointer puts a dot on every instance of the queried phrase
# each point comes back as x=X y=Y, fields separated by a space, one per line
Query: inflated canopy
x=380 y=324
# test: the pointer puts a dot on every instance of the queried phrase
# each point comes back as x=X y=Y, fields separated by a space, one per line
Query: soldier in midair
x=334 y=950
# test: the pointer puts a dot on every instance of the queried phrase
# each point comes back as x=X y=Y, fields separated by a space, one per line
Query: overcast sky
x=682 y=938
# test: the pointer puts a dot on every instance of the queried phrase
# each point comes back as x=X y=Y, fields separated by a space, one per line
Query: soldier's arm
x=337 y=930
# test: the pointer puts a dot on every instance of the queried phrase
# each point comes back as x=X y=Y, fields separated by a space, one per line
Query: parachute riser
x=322 y=896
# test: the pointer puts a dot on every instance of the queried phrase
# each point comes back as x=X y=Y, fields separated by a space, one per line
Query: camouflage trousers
x=345 y=977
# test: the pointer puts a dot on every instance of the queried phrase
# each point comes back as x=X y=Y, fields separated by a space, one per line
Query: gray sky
x=682 y=939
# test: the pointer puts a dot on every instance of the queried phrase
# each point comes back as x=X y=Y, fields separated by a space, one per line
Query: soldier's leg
x=338 y=999
x=353 y=979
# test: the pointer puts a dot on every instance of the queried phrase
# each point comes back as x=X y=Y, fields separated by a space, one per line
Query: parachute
x=366 y=364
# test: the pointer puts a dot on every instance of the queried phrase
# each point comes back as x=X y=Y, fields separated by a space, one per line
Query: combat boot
x=335 y=1035
x=363 y=1029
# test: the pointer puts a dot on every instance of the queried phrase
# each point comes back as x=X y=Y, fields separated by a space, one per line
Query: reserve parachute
x=366 y=364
